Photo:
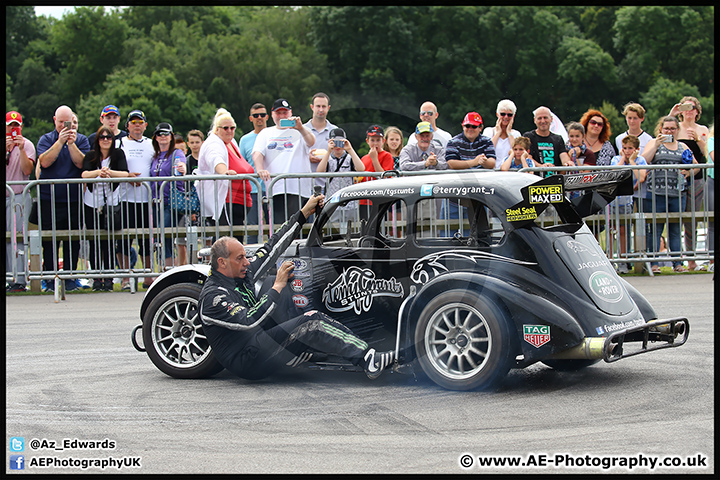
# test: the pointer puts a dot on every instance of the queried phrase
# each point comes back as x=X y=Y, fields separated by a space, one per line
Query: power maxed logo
x=545 y=194
x=356 y=288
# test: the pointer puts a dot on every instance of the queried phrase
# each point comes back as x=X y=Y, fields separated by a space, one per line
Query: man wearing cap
x=429 y=113
x=425 y=153
x=19 y=163
x=135 y=196
x=285 y=149
x=320 y=127
x=470 y=149
x=110 y=117
x=60 y=154
x=258 y=117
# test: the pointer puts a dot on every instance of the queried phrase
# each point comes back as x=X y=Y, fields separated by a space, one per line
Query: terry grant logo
x=536 y=335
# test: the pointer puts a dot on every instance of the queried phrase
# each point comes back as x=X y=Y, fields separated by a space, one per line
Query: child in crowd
x=340 y=157
x=393 y=144
x=577 y=150
x=626 y=204
x=519 y=156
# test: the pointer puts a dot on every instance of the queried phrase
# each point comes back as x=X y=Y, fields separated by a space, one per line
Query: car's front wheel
x=464 y=341
x=173 y=334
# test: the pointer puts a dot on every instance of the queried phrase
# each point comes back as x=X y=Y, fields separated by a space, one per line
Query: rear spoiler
x=601 y=188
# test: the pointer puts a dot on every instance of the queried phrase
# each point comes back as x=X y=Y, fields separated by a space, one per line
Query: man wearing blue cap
x=110 y=117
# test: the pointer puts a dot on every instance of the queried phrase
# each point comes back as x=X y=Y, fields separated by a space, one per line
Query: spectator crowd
x=291 y=146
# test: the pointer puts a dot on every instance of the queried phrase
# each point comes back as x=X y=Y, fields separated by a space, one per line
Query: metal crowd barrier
x=623 y=234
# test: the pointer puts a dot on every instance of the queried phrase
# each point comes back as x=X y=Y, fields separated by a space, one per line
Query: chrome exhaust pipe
x=591 y=348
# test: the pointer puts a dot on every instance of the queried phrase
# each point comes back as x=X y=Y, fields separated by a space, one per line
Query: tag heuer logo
x=536 y=335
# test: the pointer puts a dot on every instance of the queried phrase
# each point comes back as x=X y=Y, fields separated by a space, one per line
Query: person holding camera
x=19 y=164
x=666 y=187
x=340 y=157
x=103 y=161
x=60 y=154
x=285 y=148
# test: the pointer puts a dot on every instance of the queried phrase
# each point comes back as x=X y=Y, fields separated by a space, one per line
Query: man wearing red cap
x=19 y=163
x=470 y=149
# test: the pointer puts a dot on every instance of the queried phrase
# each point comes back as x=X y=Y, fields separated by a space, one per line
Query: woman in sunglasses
x=166 y=162
x=597 y=136
x=503 y=134
x=103 y=161
x=220 y=154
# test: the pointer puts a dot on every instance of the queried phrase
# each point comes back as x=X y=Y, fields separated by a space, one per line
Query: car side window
x=464 y=221
x=351 y=226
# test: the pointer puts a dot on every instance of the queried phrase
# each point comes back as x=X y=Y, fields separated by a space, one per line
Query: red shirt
x=386 y=161
x=240 y=190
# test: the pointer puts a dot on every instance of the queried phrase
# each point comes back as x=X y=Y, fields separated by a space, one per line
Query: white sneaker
x=376 y=362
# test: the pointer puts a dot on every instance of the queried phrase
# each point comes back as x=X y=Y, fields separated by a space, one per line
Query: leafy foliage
x=377 y=63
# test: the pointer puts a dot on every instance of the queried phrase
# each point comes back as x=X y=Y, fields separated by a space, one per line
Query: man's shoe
x=71 y=285
x=375 y=362
x=16 y=287
x=98 y=285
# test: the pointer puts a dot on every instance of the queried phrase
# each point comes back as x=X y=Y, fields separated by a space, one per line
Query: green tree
x=87 y=42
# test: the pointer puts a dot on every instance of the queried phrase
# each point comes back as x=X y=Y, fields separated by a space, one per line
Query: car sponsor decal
x=302 y=267
x=536 y=335
x=377 y=192
x=545 y=194
x=300 y=301
x=432 y=265
x=356 y=288
x=580 y=248
x=297 y=285
x=620 y=326
x=606 y=287
x=428 y=190
x=520 y=214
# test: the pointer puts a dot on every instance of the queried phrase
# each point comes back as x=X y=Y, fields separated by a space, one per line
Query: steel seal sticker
x=536 y=335
x=520 y=214
x=606 y=287
x=356 y=288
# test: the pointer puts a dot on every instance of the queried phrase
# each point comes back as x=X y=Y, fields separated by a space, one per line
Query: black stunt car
x=464 y=275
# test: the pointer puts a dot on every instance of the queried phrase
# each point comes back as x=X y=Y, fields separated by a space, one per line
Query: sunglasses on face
x=136 y=122
x=427 y=113
x=163 y=134
x=105 y=137
x=471 y=126
x=505 y=114
x=595 y=122
x=226 y=128
x=259 y=115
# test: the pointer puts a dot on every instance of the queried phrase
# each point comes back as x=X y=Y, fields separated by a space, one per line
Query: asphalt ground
x=72 y=376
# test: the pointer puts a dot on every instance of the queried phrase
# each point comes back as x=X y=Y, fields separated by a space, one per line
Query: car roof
x=495 y=189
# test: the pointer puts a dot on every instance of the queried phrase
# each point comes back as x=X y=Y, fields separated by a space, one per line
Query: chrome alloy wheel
x=177 y=333
x=457 y=341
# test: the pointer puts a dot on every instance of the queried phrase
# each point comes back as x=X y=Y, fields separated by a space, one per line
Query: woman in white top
x=213 y=159
x=502 y=134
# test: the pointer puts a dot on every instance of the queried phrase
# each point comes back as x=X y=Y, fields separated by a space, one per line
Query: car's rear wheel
x=464 y=341
x=173 y=334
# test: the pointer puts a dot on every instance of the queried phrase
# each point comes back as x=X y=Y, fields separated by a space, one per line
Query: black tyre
x=464 y=341
x=173 y=334
x=569 y=365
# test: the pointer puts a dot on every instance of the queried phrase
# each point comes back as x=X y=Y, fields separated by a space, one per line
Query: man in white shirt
x=285 y=149
x=135 y=197
x=429 y=113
